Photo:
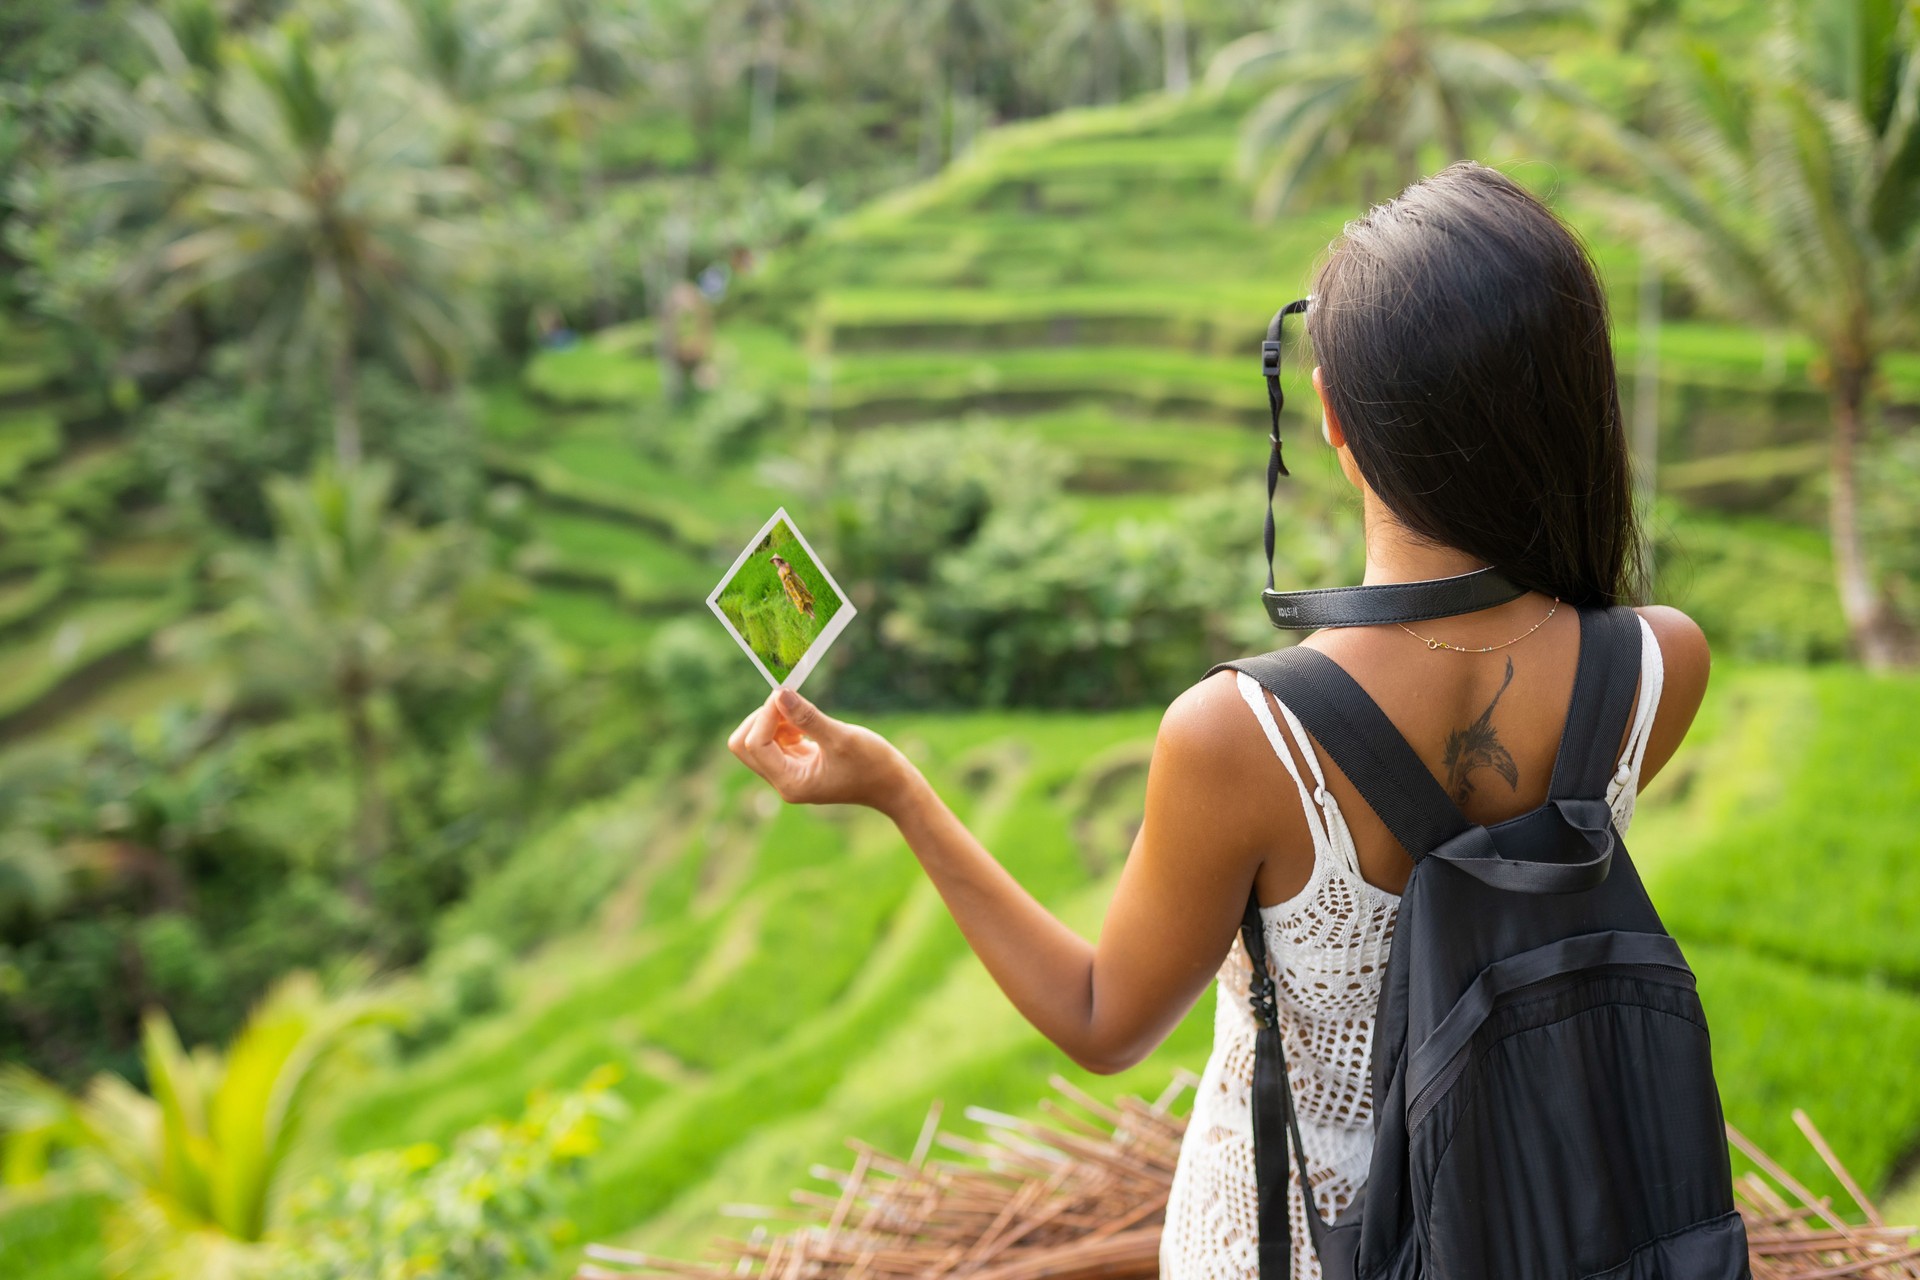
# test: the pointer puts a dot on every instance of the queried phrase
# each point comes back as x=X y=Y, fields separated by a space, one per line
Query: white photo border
x=821 y=643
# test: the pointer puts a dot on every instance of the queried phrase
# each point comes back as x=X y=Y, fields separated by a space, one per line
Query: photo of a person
x=779 y=604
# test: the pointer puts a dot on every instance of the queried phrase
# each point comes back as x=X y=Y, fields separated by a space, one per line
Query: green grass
x=27 y=437
x=1707 y=565
x=777 y=621
x=808 y=947
x=589 y=618
x=25 y=595
x=1843 y=1051
x=50 y=1233
x=775 y=979
x=750 y=1065
x=17 y=376
x=594 y=462
x=139 y=563
x=1813 y=864
x=35 y=662
x=638 y=564
x=146 y=688
x=587 y=375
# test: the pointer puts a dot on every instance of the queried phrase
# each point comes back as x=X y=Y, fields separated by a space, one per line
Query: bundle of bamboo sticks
x=1082 y=1195
x=1793 y=1233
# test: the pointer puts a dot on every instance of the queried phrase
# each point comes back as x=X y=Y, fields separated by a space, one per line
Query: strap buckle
x=1270 y=358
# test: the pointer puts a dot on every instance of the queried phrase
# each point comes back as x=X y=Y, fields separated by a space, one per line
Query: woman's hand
x=812 y=758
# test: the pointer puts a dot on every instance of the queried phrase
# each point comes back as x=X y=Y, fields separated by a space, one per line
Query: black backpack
x=1544 y=1101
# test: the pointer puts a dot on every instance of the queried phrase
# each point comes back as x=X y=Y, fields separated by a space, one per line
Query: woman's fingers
x=760 y=726
x=739 y=735
x=811 y=758
x=762 y=743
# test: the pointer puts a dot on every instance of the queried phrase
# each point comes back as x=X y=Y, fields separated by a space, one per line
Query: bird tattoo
x=797 y=590
x=1476 y=746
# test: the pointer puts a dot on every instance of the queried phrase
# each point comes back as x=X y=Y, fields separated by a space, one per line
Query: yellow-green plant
x=197 y=1166
x=488 y=1207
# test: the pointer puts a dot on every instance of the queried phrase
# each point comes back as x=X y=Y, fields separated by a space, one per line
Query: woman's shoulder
x=1685 y=661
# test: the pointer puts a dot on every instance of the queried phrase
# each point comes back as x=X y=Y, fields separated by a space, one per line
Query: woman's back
x=1329 y=925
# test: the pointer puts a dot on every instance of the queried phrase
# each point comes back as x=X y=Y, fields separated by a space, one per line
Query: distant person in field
x=796 y=590
x=1469 y=394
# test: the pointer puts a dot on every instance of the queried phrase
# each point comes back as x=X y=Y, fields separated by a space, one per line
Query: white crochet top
x=1329 y=944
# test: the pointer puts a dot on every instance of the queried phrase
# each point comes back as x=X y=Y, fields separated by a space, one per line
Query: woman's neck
x=1395 y=555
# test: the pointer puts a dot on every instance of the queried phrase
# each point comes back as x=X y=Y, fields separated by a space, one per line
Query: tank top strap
x=1332 y=841
x=1621 y=788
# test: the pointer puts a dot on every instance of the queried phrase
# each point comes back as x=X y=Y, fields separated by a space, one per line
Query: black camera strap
x=1371 y=604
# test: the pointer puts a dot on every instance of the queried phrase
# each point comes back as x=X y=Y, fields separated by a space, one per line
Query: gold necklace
x=1442 y=644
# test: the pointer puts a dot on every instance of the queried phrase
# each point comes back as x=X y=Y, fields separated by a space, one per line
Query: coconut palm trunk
x=1173 y=40
x=1883 y=638
x=766 y=81
x=346 y=404
x=369 y=799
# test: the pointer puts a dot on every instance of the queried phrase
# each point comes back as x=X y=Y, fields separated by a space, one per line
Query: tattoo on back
x=1478 y=746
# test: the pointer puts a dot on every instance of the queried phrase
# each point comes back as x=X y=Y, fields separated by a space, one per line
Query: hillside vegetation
x=770 y=979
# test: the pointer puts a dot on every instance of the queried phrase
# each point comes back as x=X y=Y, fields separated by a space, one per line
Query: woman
x=1468 y=390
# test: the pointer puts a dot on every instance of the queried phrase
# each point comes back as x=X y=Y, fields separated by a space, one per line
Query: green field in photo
x=757 y=604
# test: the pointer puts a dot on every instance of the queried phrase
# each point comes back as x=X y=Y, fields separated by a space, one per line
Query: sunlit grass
x=591 y=619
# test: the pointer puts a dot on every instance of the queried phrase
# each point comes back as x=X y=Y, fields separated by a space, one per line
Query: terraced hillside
x=88 y=570
x=774 y=979
x=1091 y=278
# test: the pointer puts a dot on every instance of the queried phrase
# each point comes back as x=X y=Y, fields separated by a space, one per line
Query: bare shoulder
x=1214 y=771
x=1207 y=719
x=1208 y=737
x=1686 y=660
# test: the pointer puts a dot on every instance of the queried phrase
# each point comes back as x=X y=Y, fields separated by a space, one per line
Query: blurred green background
x=385 y=383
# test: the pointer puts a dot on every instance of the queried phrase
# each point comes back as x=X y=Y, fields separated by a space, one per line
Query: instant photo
x=780 y=604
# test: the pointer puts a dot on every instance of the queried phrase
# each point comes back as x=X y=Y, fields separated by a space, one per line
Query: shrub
x=487 y=1208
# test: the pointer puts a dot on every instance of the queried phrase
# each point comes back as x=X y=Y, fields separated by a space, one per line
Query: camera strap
x=1371 y=604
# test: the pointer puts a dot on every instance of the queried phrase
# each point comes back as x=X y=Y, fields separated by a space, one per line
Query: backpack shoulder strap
x=1353 y=729
x=1604 y=686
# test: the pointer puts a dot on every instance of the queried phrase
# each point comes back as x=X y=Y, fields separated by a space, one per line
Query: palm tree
x=491 y=79
x=197 y=1166
x=1367 y=85
x=308 y=202
x=1173 y=47
x=766 y=24
x=1090 y=47
x=351 y=601
x=1790 y=193
x=955 y=41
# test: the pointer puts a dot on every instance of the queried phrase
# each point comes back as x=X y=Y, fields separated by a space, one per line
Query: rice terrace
x=378 y=894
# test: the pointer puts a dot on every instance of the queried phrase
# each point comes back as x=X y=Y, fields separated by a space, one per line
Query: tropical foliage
x=1787 y=191
x=385 y=383
x=200 y=1162
x=1376 y=92
x=486 y=1208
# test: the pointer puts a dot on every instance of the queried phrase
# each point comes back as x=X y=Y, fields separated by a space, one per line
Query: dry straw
x=1082 y=1194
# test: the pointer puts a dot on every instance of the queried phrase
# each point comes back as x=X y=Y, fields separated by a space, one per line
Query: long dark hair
x=1462 y=335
